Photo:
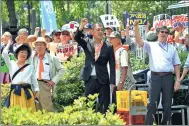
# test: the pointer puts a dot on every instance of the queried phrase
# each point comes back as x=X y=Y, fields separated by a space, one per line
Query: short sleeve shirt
x=162 y=56
x=123 y=61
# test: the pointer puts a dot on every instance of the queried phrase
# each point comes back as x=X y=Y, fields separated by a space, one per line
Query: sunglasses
x=65 y=33
x=166 y=32
x=57 y=34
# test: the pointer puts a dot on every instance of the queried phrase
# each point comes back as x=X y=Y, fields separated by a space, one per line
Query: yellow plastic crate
x=138 y=98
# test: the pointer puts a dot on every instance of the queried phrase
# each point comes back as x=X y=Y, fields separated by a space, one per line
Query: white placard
x=109 y=20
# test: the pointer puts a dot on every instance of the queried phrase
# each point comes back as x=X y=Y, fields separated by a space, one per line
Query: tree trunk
x=12 y=15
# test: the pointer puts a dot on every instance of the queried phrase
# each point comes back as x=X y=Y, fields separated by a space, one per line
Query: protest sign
x=64 y=51
x=140 y=16
x=73 y=25
x=126 y=19
x=179 y=20
x=4 y=68
x=165 y=20
x=109 y=21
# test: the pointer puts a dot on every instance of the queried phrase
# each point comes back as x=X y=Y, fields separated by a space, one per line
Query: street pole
x=28 y=16
x=33 y=21
x=108 y=8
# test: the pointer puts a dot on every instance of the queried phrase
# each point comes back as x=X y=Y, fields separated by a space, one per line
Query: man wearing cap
x=124 y=76
x=56 y=36
x=55 y=40
x=109 y=30
x=49 y=71
x=95 y=73
x=164 y=61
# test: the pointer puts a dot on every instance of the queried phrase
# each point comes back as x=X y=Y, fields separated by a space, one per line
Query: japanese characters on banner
x=129 y=18
x=165 y=20
x=179 y=20
x=109 y=21
x=64 y=51
x=140 y=16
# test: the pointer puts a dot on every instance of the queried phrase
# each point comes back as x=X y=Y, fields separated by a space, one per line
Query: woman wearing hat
x=24 y=86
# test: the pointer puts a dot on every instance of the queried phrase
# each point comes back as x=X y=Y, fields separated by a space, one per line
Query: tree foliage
x=70 y=10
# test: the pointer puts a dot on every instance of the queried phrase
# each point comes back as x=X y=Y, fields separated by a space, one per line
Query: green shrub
x=80 y=113
x=183 y=57
x=5 y=89
x=137 y=63
x=70 y=87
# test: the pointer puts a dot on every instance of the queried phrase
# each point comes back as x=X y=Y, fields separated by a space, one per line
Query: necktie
x=41 y=68
x=97 y=49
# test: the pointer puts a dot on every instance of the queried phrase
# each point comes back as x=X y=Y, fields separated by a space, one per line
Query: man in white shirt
x=164 y=61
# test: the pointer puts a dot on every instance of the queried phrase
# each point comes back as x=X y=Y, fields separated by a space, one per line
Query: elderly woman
x=24 y=86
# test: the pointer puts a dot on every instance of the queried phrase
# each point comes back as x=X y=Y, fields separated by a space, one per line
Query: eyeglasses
x=57 y=34
x=65 y=33
x=166 y=32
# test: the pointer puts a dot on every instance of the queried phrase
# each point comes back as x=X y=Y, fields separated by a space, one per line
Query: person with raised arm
x=95 y=73
x=164 y=61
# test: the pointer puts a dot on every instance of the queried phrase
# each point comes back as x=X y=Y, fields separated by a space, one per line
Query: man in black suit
x=95 y=73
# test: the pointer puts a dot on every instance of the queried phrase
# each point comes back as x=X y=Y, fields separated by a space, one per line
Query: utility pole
x=28 y=3
x=108 y=7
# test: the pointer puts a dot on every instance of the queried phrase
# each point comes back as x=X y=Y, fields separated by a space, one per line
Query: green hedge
x=80 y=113
x=70 y=87
x=5 y=88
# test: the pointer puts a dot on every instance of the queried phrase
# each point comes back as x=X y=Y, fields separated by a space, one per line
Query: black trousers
x=93 y=86
x=164 y=85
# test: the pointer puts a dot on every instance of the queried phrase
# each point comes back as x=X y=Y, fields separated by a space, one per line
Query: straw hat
x=39 y=40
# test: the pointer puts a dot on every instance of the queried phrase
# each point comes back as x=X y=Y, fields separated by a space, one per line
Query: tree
x=12 y=15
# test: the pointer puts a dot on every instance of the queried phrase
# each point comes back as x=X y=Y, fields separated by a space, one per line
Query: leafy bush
x=79 y=113
x=5 y=89
x=137 y=63
x=70 y=87
x=183 y=57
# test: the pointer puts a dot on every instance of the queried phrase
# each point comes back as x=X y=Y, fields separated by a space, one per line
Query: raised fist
x=84 y=21
x=43 y=30
x=37 y=29
x=136 y=23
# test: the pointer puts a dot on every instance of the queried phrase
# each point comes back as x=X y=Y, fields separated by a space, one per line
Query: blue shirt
x=162 y=56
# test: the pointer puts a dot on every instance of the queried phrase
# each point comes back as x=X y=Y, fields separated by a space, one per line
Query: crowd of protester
x=35 y=63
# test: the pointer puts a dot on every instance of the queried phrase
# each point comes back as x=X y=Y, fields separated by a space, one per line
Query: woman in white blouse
x=24 y=86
